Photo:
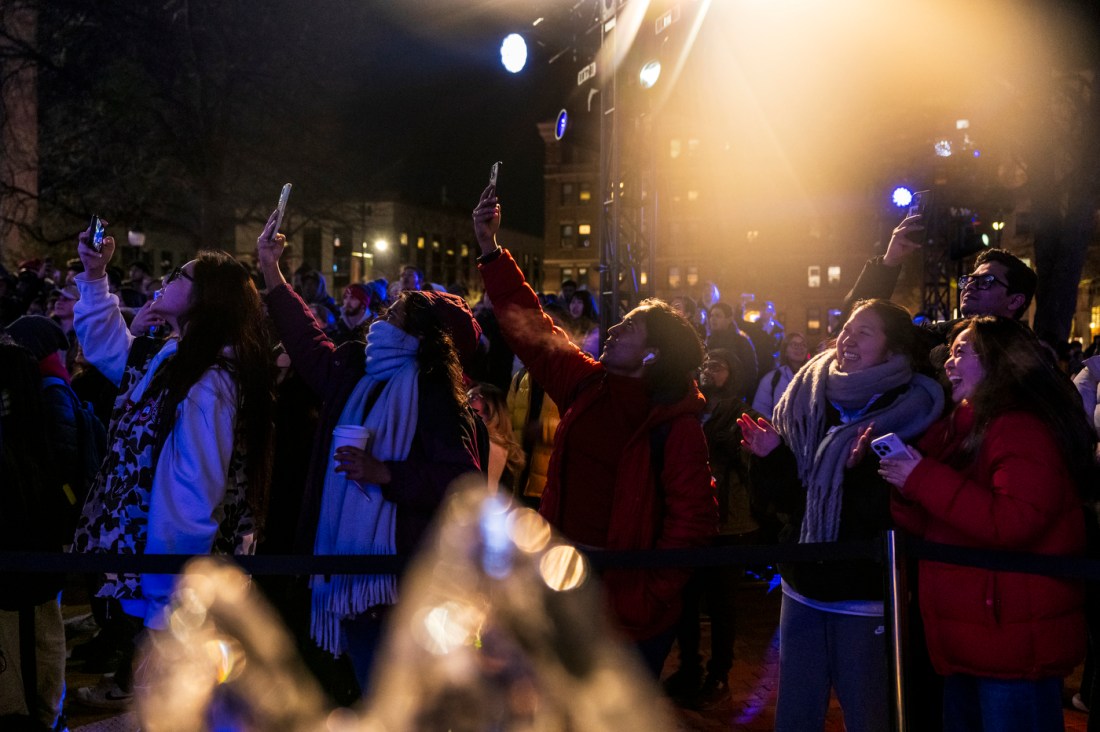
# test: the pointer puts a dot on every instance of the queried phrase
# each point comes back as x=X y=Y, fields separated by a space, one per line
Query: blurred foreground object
x=500 y=626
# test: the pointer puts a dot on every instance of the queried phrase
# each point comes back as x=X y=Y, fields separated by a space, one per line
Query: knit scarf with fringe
x=355 y=519
x=821 y=452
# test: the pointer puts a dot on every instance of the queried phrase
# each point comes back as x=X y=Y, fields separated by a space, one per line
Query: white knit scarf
x=356 y=519
x=821 y=454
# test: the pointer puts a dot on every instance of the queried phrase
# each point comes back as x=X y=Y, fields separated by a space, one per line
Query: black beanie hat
x=39 y=335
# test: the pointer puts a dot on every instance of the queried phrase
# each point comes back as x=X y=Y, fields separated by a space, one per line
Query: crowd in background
x=699 y=426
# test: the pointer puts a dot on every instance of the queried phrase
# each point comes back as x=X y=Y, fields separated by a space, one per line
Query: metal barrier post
x=898 y=597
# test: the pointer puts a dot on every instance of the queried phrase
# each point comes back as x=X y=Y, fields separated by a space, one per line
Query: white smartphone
x=494 y=173
x=889 y=446
x=284 y=196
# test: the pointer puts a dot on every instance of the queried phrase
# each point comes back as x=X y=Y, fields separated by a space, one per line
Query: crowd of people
x=239 y=412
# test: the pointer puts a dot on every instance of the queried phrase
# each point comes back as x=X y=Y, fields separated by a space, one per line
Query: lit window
x=419 y=242
x=586 y=193
x=693 y=276
x=674 y=148
x=584 y=229
x=813 y=276
x=435 y=244
x=833 y=275
x=465 y=252
x=813 y=320
x=673 y=277
x=404 y=238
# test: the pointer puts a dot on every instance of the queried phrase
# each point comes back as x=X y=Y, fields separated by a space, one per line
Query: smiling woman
x=811 y=465
x=1009 y=468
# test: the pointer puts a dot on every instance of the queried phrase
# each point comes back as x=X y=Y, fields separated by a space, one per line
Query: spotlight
x=901 y=196
x=649 y=74
x=513 y=53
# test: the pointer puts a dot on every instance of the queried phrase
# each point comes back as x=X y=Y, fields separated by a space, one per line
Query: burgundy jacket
x=443 y=448
x=680 y=511
x=1017 y=495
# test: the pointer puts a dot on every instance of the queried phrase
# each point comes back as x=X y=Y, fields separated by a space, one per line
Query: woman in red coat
x=1006 y=469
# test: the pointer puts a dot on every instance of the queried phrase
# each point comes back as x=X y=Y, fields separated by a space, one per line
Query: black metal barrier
x=295 y=564
x=891 y=551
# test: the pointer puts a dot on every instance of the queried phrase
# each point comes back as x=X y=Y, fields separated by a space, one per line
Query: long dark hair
x=437 y=356
x=225 y=312
x=1021 y=376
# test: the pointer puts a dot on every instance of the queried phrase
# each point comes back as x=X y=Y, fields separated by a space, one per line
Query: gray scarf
x=820 y=452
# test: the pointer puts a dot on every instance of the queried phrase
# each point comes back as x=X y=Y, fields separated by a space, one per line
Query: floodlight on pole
x=513 y=53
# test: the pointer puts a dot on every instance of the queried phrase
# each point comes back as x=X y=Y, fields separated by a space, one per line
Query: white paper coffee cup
x=350 y=435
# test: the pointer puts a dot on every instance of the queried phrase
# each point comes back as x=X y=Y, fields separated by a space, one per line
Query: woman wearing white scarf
x=406 y=388
x=831 y=628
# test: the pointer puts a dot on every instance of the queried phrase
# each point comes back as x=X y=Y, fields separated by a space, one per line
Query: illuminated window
x=833 y=274
x=674 y=149
x=585 y=233
x=404 y=238
x=586 y=193
x=567 y=236
x=813 y=320
x=435 y=244
x=813 y=274
x=465 y=251
x=566 y=273
x=419 y=242
x=693 y=276
x=643 y=278
x=674 y=277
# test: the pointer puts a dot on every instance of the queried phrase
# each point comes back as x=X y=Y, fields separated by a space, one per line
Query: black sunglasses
x=176 y=274
x=982 y=282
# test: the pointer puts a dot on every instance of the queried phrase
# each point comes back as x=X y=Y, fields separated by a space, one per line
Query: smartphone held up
x=920 y=206
x=284 y=196
x=97 y=227
x=494 y=174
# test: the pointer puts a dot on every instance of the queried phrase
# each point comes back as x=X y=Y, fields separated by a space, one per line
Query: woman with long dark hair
x=832 y=621
x=187 y=468
x=1009 y=468
x=404 y=385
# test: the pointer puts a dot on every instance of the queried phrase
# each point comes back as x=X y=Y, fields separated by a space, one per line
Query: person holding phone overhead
x=405 y=386
x=188 y=462
x=811 y=464
x=1010 y=467
x=629 y=463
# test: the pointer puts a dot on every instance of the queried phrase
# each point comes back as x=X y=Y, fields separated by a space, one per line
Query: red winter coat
x=683 y=513
x=1017 y=496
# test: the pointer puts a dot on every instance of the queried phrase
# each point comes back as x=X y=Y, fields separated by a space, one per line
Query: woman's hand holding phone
x=95 y=261
x=269 y=248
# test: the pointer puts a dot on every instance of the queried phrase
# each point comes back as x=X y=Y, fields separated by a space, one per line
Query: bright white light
x=649 y=74
x=901 y=196
x=513 y=53
x=943 y=148
x=381 y=245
